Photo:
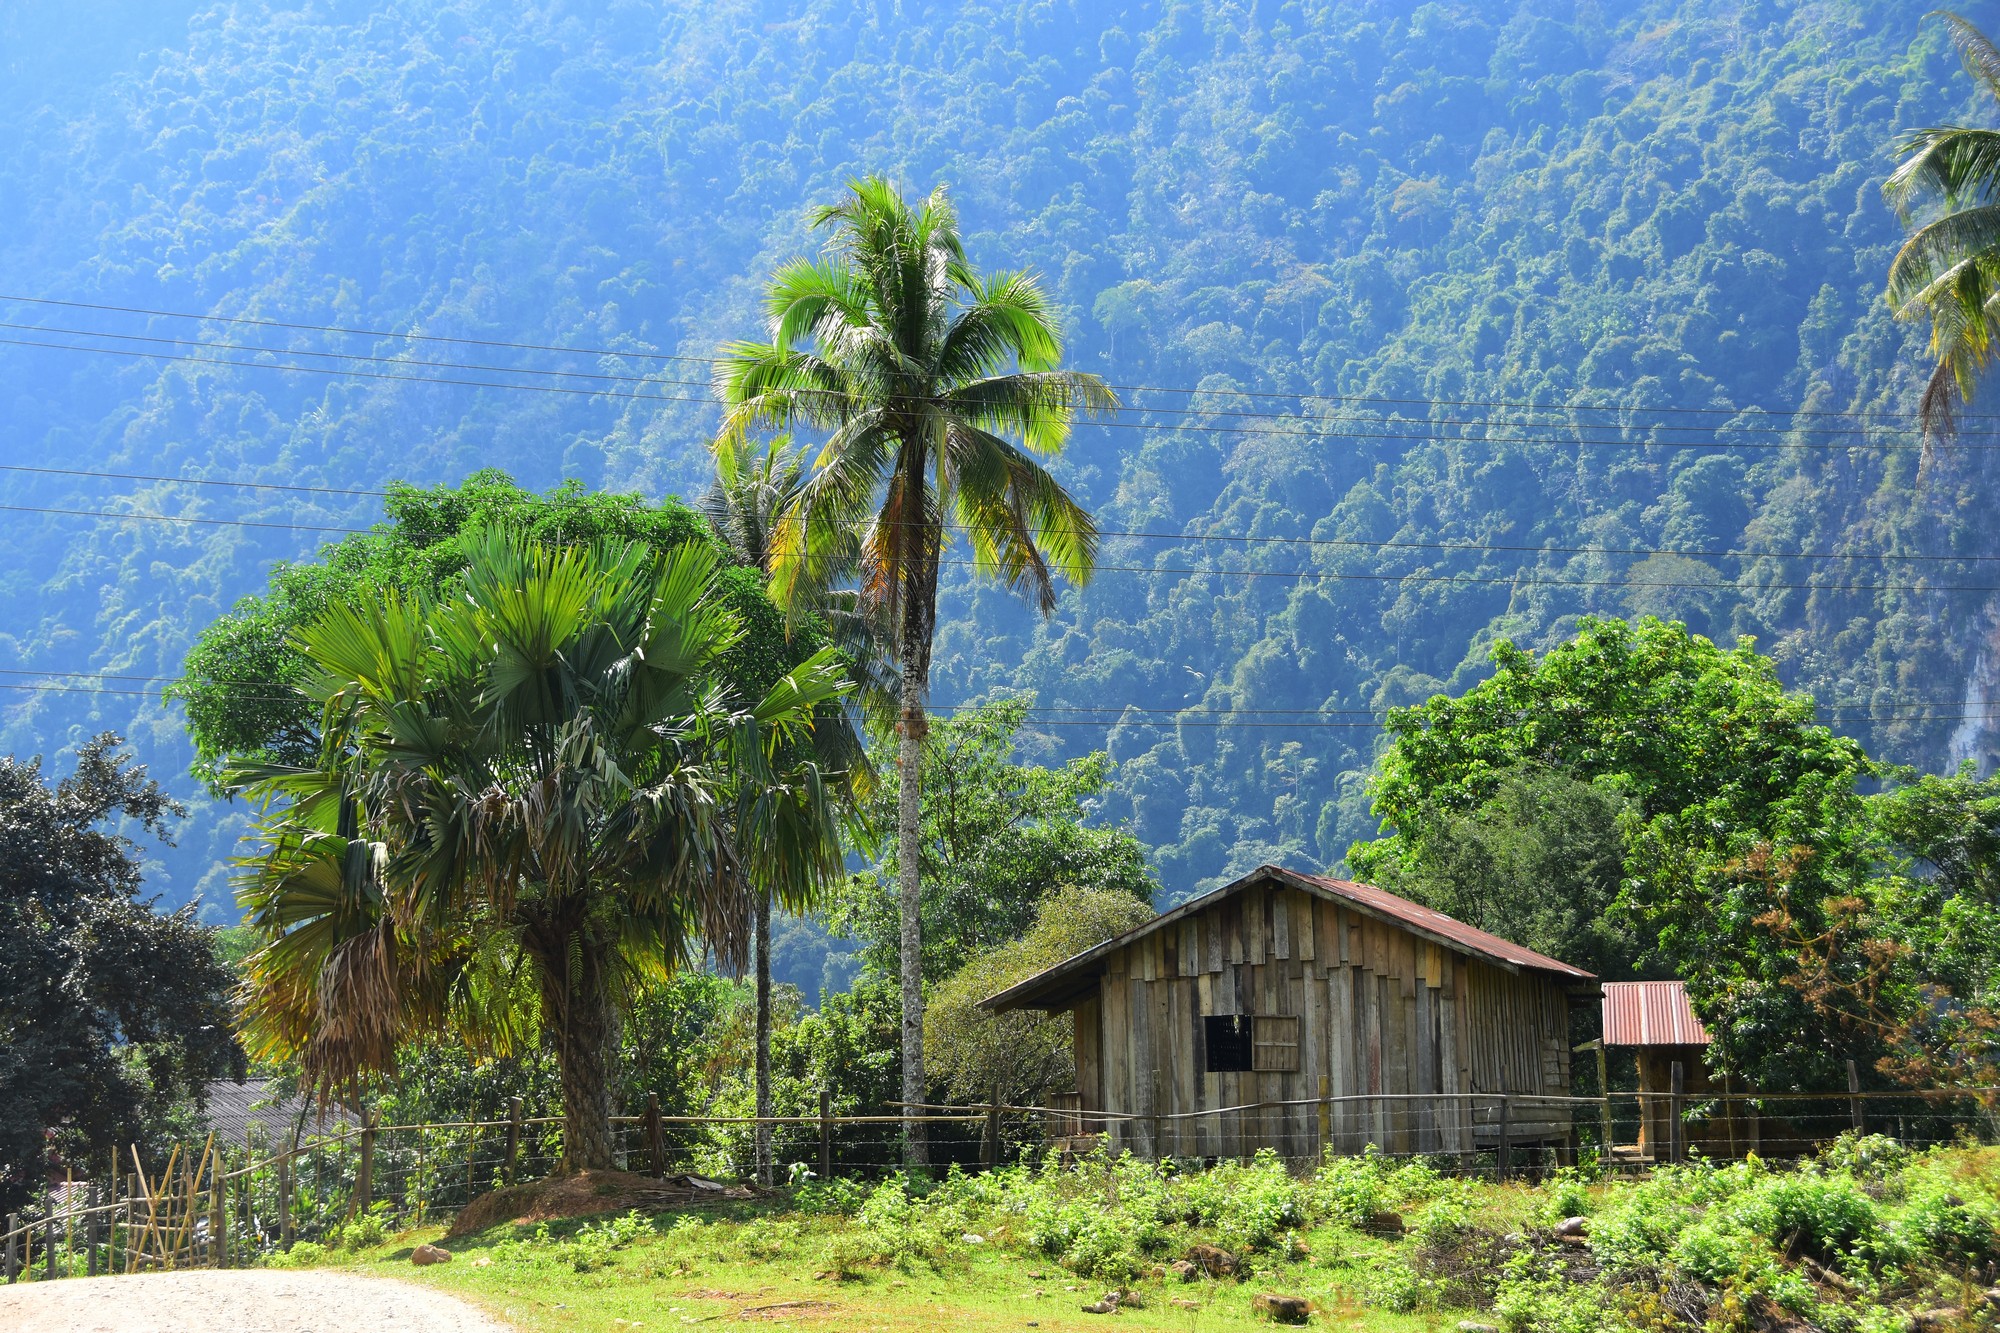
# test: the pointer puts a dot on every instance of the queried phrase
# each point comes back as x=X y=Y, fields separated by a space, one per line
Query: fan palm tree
x=917 y=368
x=532 y=783
x=1948 y=270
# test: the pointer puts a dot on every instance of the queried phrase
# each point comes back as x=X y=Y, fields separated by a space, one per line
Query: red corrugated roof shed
x=1650 y=1013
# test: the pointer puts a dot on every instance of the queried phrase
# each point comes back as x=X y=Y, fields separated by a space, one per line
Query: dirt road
x=251 y=1300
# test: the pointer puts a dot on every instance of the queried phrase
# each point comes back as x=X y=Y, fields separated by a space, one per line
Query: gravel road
x=250 y=1300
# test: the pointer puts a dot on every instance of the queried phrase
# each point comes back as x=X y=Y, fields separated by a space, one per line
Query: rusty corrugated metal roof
x=1060 y=985
x=1650 y=1013
x=1450 y=930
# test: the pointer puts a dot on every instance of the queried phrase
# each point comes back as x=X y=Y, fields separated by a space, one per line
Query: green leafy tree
x=112 y=1016
x=1024 y=1054
x=997 y=836
x=1740 y=805
x=1539 y=862
x=1948 y=271
x=242 y=685
x=918 y=367
x=531 y=783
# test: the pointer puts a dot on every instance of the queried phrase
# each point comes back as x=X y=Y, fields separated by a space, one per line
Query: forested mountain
x=1586 y=275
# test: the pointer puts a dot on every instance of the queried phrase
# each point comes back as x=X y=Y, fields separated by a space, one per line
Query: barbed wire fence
x=223 y=1203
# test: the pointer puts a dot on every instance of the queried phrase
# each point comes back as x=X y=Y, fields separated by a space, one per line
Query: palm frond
x=1941 y=249
x=1950 y=163
x=1006 y=322
x=1020 y=522
x=1975 y=50
x=1038 y=408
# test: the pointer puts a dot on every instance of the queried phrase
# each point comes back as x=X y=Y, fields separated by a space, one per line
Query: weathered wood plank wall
x=1382 y=1013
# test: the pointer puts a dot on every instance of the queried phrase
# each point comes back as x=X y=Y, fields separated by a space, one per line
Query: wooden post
x=49 y=1246
x=1504 y=1149
x=364 y=1184
x=989 y=1144
x=512 y=1165
x=1756 y=1125
x=825 y=1134
x=90 y=1230
x=1676 y=1083
x=13 y=1243
x=656 y=1143
x=1153 y=1117
x=1604 y=1101
x=1325 y=1114
x=1729 y=1114
x=218 y=1218
x=471 y=1162
x=285 y=1197
x=1854 y=1099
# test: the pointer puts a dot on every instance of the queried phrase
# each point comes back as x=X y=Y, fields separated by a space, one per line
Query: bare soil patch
x=588 y=1193
x=244 y=1300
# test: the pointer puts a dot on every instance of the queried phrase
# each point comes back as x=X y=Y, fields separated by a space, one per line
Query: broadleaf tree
x=113 y=1017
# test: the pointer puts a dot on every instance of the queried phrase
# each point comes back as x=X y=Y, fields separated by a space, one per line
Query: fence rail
x=214 y=1204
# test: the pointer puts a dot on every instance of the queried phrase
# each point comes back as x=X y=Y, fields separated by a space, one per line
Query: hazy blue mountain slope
x=1645 y=206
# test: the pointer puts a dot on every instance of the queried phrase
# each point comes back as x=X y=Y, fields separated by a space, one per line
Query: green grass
x=1849 y=1244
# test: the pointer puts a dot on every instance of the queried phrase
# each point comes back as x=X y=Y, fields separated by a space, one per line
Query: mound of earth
x=588 y=1192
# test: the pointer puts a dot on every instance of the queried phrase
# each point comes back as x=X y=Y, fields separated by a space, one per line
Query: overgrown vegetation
x=1850 y=1242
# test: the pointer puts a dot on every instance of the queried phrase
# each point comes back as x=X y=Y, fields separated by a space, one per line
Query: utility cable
x=1345 y=543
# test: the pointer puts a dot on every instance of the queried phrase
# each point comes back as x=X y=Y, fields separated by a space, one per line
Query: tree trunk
x=576 y=1012
x=909 y=864
x=763 y=1038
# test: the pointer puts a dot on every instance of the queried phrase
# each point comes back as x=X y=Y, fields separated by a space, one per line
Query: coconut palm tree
x=1948 y=271
x=917 y=369
x=532 y=783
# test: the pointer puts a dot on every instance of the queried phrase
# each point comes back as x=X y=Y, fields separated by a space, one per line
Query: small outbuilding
x=1655 y=1020
x=1295 y=1012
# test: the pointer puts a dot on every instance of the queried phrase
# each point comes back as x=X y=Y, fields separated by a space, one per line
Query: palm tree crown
x=937 y=388
x=1948 y=270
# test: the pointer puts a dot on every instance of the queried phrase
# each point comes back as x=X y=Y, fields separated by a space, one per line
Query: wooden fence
x=217 y=1204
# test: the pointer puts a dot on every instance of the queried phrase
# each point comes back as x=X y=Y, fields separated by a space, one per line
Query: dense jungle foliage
x=1667 y=211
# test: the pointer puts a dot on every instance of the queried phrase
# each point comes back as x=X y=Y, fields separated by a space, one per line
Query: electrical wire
x=1354 y=543
x=1180 y=571
x=1120 y=709
x=635 y=354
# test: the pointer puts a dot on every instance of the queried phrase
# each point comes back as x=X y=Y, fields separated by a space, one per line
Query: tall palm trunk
x=576 y=1012
x=909 y=866
x=763 y=1039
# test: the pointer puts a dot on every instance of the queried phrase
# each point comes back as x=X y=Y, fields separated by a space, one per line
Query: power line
x=1303 y=433
x=1179 y=712
x=348 y=356
x=361 y=374
x=1181 y=571
x=636 y=354
x=1320 y=421
x=631 y=353
x=1354 y=543
x=1212 y=722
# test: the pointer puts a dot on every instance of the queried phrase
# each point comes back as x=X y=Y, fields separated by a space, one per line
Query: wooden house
x=1294 y=1012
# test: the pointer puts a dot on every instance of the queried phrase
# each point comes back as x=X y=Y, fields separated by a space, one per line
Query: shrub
x=1869 y=1156
x=304 y=1254
x=1940 y=1223
x=361 y=1233
x=1531 y=1301
x=1825 y=1213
